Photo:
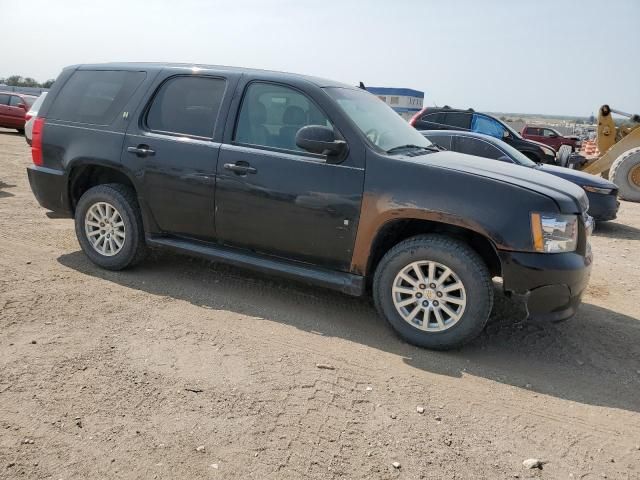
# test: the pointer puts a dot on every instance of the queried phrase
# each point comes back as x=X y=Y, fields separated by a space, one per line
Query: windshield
x=381 y=125
x=519 y=157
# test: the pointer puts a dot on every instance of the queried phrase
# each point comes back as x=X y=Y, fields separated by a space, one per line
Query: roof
x=401 y=92
x=320 y=82
x=19 y=94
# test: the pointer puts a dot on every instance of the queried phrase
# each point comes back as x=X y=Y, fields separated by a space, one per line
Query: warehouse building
x=405 y=101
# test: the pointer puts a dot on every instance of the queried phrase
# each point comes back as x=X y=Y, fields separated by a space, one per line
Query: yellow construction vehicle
x=619 y=158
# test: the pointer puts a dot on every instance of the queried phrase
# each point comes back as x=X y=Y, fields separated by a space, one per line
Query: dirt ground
x=126 y=374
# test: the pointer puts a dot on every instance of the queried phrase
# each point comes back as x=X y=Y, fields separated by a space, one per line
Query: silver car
x=31 y=116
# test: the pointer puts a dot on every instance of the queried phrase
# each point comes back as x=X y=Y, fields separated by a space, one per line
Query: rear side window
x=95 y=97
x=433 y=118
x=187 y=106
x=458 y=119
x=477 y=147
x=14 y=101
x=4 y=99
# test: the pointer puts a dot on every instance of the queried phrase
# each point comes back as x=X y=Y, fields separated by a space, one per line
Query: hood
x=569 y=197
x=579 y=178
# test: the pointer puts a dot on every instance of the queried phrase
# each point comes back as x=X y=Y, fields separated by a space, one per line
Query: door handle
x=141 y=151
x=239 y=168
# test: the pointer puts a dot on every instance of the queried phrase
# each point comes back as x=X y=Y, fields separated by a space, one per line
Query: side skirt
x=343 y=282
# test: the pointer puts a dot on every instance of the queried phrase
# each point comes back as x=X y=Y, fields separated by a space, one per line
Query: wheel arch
x=396 y=230
x=85 y=175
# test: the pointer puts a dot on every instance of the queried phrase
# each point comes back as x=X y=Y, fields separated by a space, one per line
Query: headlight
x=548 y=151
x=604 y=191
x=554 y=232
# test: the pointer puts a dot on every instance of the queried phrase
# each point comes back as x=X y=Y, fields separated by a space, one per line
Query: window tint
x=533 y=131
x=271 y=115
x=480 y=148
x=4 y=99
x=95 y=97
x=187 y=106
x=14 y=101
x=458 y=119
x=433 y=118
x=487 y=125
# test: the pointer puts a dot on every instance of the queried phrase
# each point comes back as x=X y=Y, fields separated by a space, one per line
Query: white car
x=31 y=116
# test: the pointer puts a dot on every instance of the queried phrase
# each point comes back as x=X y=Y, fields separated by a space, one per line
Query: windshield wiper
x=430 y=148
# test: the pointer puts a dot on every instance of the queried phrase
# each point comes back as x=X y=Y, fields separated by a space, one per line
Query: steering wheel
x=372 y=135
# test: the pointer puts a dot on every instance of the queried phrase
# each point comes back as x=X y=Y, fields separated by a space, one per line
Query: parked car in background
x=31 y=116
x=446 y=118
x=551 y=137
x=602 y=194
x=13 y=109
x=309 y=179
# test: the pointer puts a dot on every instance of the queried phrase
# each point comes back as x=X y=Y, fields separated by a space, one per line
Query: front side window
x=547 y=132
x=187 y=106
x=487 y=126
x=380 y=123
x=271 y=116
x=95 y=97
x=477 y=147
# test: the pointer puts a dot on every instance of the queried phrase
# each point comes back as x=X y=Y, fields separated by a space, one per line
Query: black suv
x=446 y=118
x=309 y=179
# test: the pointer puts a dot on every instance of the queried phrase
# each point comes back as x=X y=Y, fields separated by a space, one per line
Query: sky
x=558 y=57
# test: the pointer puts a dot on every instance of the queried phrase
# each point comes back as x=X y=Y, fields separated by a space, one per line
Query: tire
x=127 y=226
x=467 y=268
x=625 y=173
x=563 y=155
x=20 y=131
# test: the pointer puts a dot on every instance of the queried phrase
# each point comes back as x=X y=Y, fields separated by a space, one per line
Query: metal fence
x=28 y=90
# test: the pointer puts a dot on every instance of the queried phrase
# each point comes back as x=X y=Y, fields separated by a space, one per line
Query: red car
x=550 y=137
x=13 y=108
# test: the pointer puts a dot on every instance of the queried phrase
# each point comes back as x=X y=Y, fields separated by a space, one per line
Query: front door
x=172 y=151
x=272 y=197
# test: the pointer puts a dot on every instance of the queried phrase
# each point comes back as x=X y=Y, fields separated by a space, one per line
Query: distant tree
x=13 y=81
x=18 y=81
x=503 y=118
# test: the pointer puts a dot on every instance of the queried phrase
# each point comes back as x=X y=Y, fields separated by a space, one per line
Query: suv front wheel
x=435 y=291
x=109 y=226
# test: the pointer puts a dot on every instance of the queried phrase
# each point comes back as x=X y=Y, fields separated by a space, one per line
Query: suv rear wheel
x=434 y=291
x=109 y=226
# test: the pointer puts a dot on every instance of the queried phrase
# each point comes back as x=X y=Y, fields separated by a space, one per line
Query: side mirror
x=22 y=106
x=553 y=135
x=505 y=134
x=319 y=139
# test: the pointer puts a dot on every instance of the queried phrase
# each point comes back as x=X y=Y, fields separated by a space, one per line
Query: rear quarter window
x=95 y=97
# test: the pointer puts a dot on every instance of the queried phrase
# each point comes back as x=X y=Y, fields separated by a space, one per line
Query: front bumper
x=50 y=189
x=603 y=207
x=550 y=284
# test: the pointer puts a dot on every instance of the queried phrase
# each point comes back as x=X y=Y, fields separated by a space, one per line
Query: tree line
x=18 y=81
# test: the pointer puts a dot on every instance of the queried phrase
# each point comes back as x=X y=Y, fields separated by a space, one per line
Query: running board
x=340 y=281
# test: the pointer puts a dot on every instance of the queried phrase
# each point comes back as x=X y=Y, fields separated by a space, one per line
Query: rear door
x=172 y=149
x=16 y=111
x=4 y=110
x=275 y=198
